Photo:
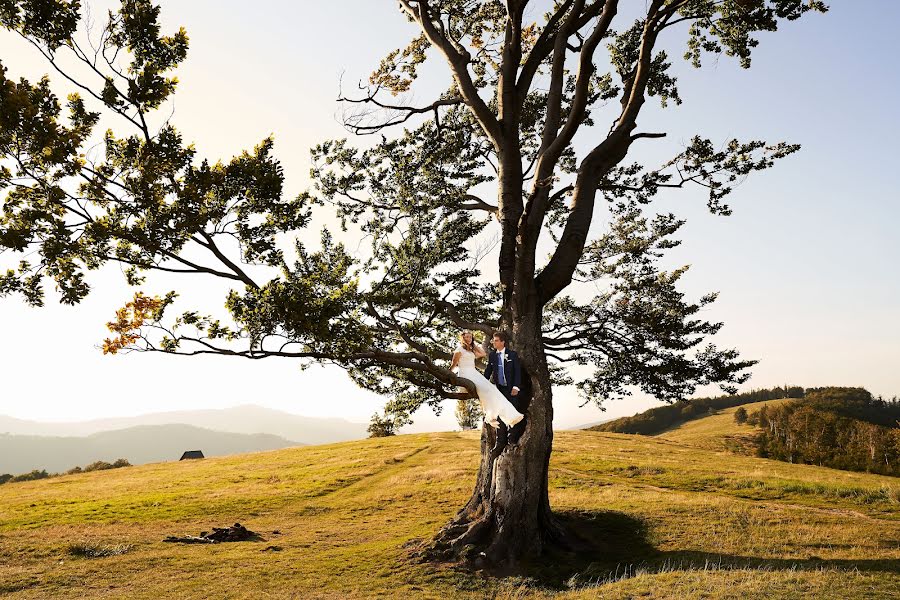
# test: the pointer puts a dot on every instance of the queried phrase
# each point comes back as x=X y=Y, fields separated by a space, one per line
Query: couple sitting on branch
x=499 y=389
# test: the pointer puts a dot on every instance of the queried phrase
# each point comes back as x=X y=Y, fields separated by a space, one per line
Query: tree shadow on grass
x=602 y=542
x=611 y=546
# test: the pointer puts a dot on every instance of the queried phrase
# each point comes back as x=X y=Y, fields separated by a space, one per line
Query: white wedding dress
x=493 y=403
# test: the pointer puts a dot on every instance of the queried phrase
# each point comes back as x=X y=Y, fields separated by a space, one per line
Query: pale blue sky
x=805 y=266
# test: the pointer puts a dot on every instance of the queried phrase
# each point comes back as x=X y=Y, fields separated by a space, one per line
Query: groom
x=504 y=370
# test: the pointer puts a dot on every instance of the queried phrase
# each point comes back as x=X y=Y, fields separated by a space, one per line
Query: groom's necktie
x=501 y=373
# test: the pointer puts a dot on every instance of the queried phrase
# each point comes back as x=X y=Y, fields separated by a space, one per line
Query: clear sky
x=806 y=266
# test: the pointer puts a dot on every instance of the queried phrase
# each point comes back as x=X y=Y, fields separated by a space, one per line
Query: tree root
x=475 y=541
x=455 y=540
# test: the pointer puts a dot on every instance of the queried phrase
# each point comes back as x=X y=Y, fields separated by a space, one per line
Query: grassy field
x=676 y=516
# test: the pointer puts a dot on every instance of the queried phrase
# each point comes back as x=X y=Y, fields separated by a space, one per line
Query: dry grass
x=672 y=520
x=718 y=431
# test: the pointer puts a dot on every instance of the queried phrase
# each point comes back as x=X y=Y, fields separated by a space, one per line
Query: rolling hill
x=658 y=419
x=677 y=516
x=719 y=431
x=839 y=427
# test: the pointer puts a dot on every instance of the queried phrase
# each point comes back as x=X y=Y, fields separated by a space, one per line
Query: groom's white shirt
x=502 y=354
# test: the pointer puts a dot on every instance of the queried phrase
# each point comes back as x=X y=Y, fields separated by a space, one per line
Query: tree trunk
x=508 y=517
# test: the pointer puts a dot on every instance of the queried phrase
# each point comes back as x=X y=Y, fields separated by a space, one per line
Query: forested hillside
x=843 y=428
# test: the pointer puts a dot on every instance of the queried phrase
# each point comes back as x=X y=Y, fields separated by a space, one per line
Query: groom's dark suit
x=506 y=379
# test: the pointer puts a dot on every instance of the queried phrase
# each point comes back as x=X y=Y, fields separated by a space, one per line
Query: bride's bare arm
x=479 y=352
x=454 y=362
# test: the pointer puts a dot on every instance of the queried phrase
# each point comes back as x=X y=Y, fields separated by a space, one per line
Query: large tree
x=578 y=282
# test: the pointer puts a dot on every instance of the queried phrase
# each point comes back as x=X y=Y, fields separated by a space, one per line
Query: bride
x=493 y=403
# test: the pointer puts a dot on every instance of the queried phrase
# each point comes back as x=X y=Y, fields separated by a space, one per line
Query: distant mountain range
x=27 y=445
x=246 y=418
x=142 y=444
x=59 y=446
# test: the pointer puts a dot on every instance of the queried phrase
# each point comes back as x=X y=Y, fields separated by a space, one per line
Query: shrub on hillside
x=100 y=465
x=740 y=415
x=42 y=474
x=381 y=426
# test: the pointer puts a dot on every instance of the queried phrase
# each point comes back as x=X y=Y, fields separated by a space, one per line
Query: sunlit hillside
x=719 y=430
x=672 y=516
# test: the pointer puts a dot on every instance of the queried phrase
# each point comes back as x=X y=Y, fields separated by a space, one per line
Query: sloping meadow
x=661 y=519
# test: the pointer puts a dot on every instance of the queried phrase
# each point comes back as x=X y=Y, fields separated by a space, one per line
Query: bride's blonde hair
x=462 y=341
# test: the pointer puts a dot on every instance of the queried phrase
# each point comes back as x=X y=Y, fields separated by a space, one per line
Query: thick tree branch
x=476 y=203
x=460 y=321
x=507 y=93
x=413 y=361
x=541 y=50
x=554 y=142
x=458 y=59
x=606 y=155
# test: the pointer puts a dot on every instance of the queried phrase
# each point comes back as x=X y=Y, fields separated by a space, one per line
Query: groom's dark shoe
x=502 y=434
x=516 y=431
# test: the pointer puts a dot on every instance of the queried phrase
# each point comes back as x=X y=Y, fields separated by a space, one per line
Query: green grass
x=672 y=518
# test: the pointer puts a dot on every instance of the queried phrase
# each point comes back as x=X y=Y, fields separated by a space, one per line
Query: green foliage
x=315 y=304
x=730 y=26
x=639 y=332
x=136 y=29
x=855 y=403
x=656 y=420
x=382 y=426
x=47 y=150
x=468 y=414
x=624 y=53
x=740 y=416
x=52 y=22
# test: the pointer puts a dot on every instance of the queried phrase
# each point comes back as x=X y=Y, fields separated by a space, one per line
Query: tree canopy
x=521 y=90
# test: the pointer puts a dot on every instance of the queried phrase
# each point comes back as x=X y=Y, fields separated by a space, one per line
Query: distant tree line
x=100 y=465
x=842 y=428
x=659 y=419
